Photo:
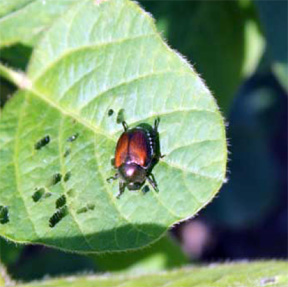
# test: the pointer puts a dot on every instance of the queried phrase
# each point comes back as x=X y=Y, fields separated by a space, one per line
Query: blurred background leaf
x=273 y=16
x=244 y=203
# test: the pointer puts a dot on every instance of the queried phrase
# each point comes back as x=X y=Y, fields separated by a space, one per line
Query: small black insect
x=136 y=154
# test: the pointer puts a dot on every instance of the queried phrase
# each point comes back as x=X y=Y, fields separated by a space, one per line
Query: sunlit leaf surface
x=58 y=134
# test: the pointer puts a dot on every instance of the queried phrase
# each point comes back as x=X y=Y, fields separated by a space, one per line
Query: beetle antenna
x=125 y=126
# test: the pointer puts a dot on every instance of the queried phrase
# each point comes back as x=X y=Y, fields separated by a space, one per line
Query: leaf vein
x=15 y=161
x=190 y=171
x=184 y=145
x=94 y=46
x=130 y=81
x=62 y=168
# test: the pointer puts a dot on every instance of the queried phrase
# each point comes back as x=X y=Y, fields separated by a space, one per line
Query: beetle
x=137 y=152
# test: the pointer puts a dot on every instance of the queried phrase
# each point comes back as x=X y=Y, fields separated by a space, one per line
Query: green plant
x=91 y=61
x=57 y=150
x=259 y=274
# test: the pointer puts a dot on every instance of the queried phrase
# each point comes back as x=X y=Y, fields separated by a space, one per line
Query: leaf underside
x=82 y=68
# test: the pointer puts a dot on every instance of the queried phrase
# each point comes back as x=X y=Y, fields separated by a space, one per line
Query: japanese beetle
x=137 y=152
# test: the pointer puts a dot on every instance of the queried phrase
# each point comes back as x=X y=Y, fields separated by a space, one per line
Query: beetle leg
x=145 y=189
x=122 y=186
x=125 y=126
x=109 y=179
x=113 y=161
x=156 y=124
x=153 y=182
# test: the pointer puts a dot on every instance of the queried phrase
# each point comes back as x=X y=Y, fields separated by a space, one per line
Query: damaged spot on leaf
x=110 y=112
x=73 y=138
x=89 y=206
x=61 y=201
x=58 y=216
x=67 y=152
x=38 y=194
x=56 y=178
x=71 y=193
x=42 y=142
x=4 y=214
x=67 y=176
x=120 y=116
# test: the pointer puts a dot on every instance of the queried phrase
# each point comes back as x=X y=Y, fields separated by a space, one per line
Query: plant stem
x=19 y=79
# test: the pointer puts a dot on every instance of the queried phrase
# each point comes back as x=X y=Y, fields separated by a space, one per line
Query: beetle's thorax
x=133 y=174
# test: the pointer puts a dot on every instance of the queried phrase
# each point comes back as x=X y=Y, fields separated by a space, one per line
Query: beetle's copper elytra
x=137 y=152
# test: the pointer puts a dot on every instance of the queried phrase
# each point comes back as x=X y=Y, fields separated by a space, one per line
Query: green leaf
x=268 y=273
x=23 y=21
x=99 y=57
